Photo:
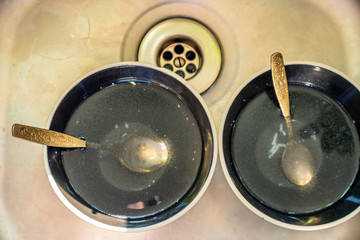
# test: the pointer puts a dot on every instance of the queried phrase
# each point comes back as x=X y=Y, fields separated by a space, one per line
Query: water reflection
x=353 y=199
x=141 y=205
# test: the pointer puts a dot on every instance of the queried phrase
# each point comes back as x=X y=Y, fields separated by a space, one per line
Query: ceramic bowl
x=115 y=102
x=325 y=111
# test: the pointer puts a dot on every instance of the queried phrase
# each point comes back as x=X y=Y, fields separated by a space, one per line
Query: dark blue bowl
x=239 y=154
x=117 y=198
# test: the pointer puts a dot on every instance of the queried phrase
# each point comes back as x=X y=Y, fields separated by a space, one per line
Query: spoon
x=137 y=153
x=297 y=161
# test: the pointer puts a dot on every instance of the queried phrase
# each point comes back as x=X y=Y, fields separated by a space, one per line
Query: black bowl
x=108 y=104
x=325 y=109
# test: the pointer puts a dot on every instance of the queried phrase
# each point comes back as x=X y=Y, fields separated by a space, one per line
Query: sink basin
x=46 y=46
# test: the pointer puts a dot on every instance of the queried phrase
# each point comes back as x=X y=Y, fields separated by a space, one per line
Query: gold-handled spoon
x=297 y=161
x=138 y=153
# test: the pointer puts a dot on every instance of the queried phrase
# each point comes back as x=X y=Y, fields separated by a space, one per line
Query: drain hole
x=191 y=68
x=190 y=55
x=179 y=49
x=167 y=56
x=180 y=73
x=168 y=66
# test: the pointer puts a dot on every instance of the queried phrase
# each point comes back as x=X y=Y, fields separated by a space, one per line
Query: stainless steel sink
x=46 y=45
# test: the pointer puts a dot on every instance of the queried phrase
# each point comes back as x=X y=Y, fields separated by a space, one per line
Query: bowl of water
x=325 y=114
x=130 y=102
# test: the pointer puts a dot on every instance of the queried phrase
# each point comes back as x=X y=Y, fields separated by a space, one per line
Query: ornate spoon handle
x=46 y=137
x=281 y=88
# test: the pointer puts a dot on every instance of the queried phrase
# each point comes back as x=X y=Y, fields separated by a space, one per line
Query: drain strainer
x=185 y=47
x=180 y=58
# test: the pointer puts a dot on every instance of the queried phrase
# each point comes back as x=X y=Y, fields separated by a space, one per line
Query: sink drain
x=185 y=47
x=198 y=26
x=180 y=58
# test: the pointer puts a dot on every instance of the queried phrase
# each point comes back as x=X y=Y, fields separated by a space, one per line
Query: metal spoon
x=297 y=161
x=138 y=153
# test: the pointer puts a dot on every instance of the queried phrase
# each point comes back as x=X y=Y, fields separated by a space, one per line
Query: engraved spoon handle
x=281 y=88
x=46 y=137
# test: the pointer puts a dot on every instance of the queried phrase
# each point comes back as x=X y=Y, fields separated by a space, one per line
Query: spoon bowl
x=138 y=153
x=297 y=163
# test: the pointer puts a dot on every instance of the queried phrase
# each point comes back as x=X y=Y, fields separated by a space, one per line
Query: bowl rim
x=227 y=174
x=177 y=215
